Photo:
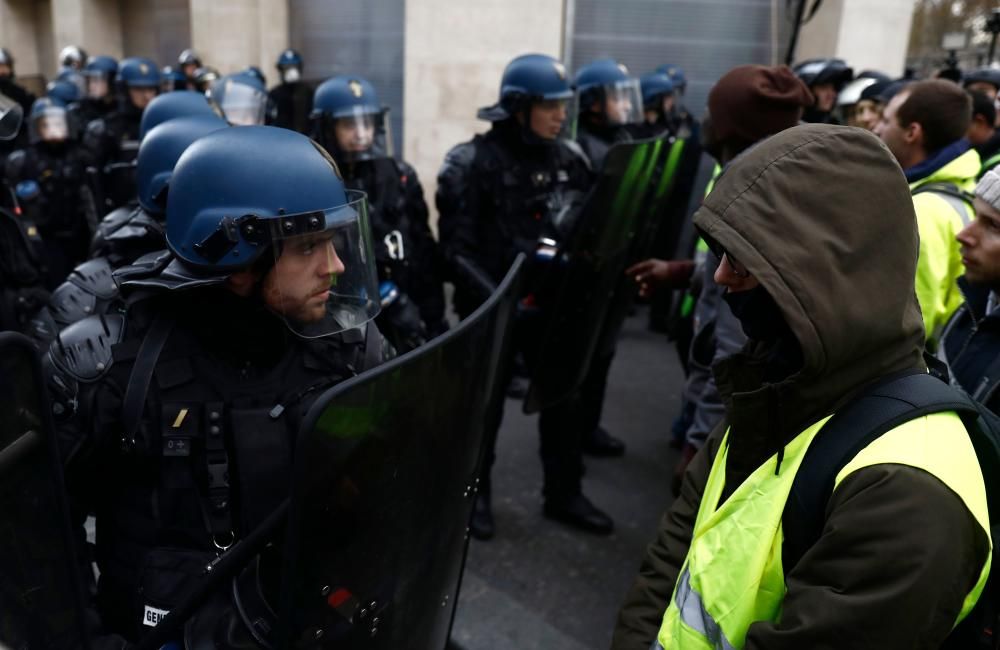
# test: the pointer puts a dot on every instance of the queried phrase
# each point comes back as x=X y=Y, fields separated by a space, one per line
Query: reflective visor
x=51 y=125
x=359 y=135
x=10 y=117
x=623 y=102
x=323 y=280
x=242 y=105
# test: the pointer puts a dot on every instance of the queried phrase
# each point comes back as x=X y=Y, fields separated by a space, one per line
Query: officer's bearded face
x=298 y=285
x=354 y=134
x=140 y=97
x=980 y=245
x=547 y=118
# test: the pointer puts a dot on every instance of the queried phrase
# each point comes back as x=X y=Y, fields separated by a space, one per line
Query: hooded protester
x=904 y=548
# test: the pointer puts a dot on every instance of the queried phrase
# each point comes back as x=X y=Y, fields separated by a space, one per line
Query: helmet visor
x=241 y=105
x=623 y=102
x=553 y=119
x=360 y=134
x=97 y=85
x=323 y=280
x=50 y=126
x=10 y=117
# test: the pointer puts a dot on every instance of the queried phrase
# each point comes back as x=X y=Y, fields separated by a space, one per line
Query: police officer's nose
x=331 y=265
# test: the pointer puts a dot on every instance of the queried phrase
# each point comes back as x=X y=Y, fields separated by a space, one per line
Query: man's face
x=53 y=128
x=6 y=72
x=826 y=96
x=902 y=142
x=355 y=134
x=188 y=70
x=547 y=118
x=866 y=114
x=980 y=244
x=298 y=285
x=140 y=97
x=668 y=103
x=618 y=107
x=987 y=89
x=97 y=87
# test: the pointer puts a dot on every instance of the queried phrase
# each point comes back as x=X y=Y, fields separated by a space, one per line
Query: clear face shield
x=324 y=279
x=11 y=114
x=98 y=85
x=623 y=102
x=362 y=135
x=241 y=105
x=50 y=126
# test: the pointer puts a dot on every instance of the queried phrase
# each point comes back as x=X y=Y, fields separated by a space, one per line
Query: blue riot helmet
x=100 y=73
x=256 y=72
x=172 y=79
x=349 y=121
x=656 y=87
x=606 y=92
x=139 y=80
x=241 y=98
x=271 y=200
x=289 y=65
x=527 y=79
x=677 y=77
x=48 y=121
x=65 y=92
x=183 y=103
x=159 y=152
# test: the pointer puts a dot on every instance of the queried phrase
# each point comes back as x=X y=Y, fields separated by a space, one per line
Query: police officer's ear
x=242 y=282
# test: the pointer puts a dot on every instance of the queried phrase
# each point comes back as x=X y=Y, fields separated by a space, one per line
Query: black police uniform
x=87 y=110
x=494 y=195
x=292 y=106
x=596 y=139
x=405 y=250
x=63 y=209
x=23 y=271
x=177 y=471
x=113 y=142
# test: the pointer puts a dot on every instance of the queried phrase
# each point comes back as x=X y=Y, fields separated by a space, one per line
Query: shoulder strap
x=142 y=374
x=960 y=201
x=877 y=410
x=373 y=346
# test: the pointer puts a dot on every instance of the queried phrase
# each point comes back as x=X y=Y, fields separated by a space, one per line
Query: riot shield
x=587 y=276
x=40 y=595
x=386 y=473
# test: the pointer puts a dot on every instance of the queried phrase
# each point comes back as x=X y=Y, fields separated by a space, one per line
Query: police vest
x=732 y=576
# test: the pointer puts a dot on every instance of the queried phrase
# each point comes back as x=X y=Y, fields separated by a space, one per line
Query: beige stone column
x=868 y=35
x=455 y=53
x=94 y=25
x=232 y=34
x=17 y=34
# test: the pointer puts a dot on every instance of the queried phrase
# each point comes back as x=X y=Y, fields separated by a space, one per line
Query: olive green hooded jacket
x=822 y=216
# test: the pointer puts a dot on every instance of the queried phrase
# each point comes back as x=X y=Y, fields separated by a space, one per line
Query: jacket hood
x=822 y=216
x=956 y=164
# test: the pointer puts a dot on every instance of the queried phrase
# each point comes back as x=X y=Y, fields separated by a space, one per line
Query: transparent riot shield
x=386 y=473
x=583 y=282
x=40 y=593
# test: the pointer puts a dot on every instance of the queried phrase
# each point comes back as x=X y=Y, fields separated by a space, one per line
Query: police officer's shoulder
x=96 y=128
x=15 y=164
x=82 y=351
x=115 y=219
x=461 y=155
x=576 y=152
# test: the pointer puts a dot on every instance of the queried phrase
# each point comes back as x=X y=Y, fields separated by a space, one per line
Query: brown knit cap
x=751 y=102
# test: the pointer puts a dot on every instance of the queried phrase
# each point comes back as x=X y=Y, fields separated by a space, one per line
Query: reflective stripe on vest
x=732 y=576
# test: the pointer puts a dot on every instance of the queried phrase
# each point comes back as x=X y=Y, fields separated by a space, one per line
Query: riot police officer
x=99 y=100
x=188 y=62
x=172 y=79
x=496 y=197
x=657 y=102
x=825 y=78
x=114 y=139
x=353 y=126
x=126 y=234
x=11 y=89
x=49 y=180
x=178 y=416
x=292 y=98
x=72 y=57
x=241 y=98
x=610 y=102
x=682 y=123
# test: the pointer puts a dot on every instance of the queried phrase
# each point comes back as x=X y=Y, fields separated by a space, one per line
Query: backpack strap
x=959 y=200
x=876 y=410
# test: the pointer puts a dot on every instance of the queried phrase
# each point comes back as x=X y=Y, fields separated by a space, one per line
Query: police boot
x=579 y=512
x=481 y=525
x=601 y=443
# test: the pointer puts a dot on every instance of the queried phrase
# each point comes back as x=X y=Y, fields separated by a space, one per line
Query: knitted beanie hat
x=751 y=102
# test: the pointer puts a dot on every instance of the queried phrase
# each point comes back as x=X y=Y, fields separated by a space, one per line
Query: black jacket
x=970 y=345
